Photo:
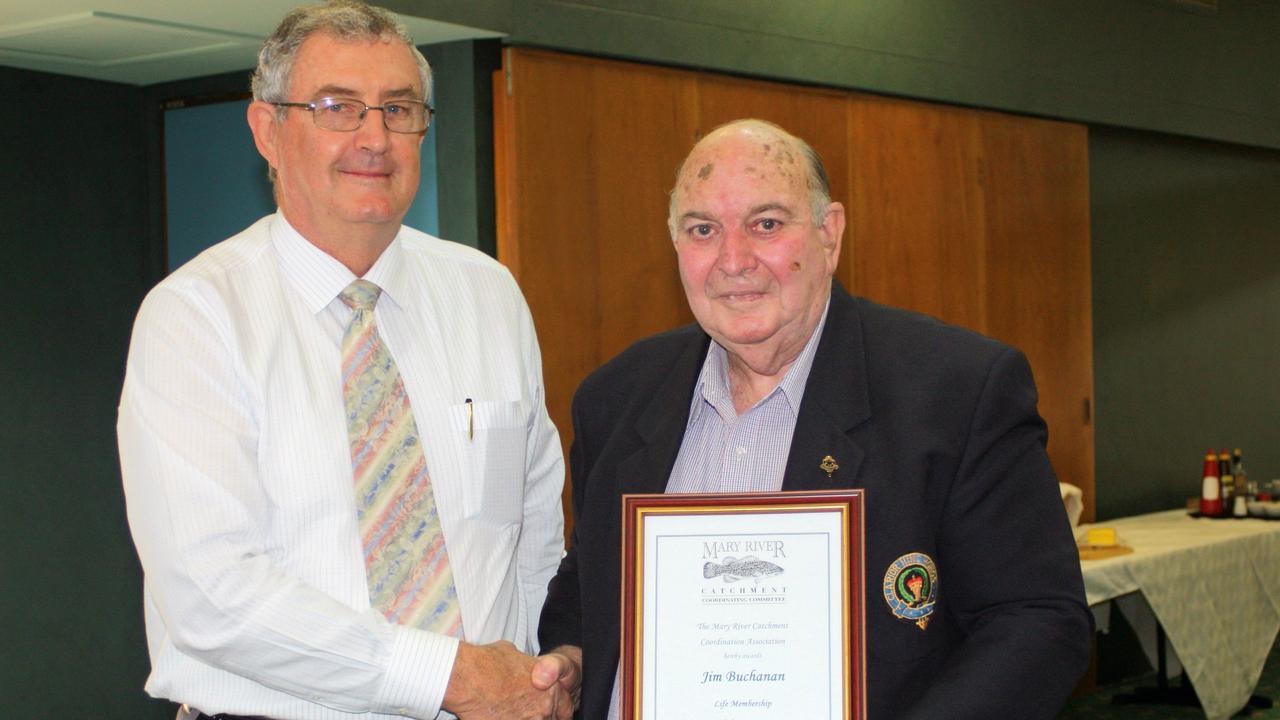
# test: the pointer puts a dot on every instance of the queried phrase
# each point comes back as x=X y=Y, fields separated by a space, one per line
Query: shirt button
x=741 y=451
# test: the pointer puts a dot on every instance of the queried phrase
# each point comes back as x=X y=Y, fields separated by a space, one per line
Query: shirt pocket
x=493 y=455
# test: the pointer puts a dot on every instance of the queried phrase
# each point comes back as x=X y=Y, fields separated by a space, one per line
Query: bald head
x=777 y=150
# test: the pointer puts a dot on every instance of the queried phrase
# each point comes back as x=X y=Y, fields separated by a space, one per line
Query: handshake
x=499 y=681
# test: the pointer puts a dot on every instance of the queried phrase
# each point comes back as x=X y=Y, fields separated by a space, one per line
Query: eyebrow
x=695 y=215
x=756 y=210
x=334 y=90
x=341 y=91
x=400 y=92
x=779 y=207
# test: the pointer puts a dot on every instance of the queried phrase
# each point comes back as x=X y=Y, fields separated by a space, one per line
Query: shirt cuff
x=418 y=673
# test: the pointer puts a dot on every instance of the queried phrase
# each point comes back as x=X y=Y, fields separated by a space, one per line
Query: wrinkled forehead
x=743 y=161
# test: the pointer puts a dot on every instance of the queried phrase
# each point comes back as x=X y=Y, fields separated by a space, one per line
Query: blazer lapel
x=661 y=424
x=835 y=401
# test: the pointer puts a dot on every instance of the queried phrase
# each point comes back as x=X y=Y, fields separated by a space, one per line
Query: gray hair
x=815 y=172
x=347 y=20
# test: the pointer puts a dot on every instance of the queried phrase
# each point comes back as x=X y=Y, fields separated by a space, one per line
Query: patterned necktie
x=404 y=553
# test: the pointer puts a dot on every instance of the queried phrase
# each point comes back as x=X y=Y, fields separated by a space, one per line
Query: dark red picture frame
x=849 y=502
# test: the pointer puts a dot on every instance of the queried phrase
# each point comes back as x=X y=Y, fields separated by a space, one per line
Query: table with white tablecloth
x=1214 y=585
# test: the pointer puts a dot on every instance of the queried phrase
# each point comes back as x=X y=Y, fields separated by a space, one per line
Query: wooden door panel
x=547 y=218
x=637 y=111
x=917 y=230
x=1037 y=216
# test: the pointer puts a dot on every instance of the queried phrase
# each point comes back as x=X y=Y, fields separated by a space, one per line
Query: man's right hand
x=494 y=681
x=561 y=669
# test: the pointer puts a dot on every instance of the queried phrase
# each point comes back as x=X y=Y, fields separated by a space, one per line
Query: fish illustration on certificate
x=743 y=605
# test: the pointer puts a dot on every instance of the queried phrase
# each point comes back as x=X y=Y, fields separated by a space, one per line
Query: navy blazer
x=939 y=426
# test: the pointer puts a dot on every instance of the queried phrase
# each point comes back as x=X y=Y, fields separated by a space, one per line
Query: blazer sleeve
x=1012 y=573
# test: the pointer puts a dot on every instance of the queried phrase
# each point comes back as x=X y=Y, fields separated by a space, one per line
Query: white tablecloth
x=1215 y=587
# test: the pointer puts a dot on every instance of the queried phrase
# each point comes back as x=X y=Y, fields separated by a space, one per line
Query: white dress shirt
x=237 y=473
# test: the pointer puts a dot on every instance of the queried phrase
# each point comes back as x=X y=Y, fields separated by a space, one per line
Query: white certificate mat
x=744 y=606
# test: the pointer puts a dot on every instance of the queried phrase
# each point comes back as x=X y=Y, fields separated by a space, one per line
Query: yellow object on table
x=1101 y=542
x=1100 y=537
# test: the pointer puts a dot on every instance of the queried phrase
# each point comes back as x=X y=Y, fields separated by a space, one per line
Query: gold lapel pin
x=829 y=465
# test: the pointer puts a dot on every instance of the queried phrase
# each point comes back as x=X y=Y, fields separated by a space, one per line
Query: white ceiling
x=149 y=41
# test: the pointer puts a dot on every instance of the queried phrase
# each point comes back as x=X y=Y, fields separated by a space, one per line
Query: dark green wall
x=1148 y=64
x=1186 y=313
x=74 y=207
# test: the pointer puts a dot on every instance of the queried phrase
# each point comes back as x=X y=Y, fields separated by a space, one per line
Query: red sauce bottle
x=1210 y=489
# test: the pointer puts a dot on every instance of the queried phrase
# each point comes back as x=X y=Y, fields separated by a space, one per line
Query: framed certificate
x=743 y=605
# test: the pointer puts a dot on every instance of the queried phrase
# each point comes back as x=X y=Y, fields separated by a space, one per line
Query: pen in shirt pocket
x=471 y=420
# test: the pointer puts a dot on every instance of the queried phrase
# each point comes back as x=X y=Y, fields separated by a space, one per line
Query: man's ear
x=832 y=232
x=263 y=124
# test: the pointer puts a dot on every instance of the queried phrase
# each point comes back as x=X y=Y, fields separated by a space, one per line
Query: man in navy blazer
x=937 y=424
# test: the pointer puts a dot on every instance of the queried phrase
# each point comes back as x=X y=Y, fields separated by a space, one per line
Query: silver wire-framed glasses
x=409 y=115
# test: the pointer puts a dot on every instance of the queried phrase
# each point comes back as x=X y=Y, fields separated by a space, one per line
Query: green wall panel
x=74 y=204
x=1186 y=313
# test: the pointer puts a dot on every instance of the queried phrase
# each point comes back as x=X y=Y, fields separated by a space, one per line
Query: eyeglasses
x=347 y=114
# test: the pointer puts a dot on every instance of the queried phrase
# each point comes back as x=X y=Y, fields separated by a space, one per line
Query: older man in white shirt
x=341 y=477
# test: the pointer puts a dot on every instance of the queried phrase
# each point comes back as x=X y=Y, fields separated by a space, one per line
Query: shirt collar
x=390 y=273
x=713 y=381
x=318 y=277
